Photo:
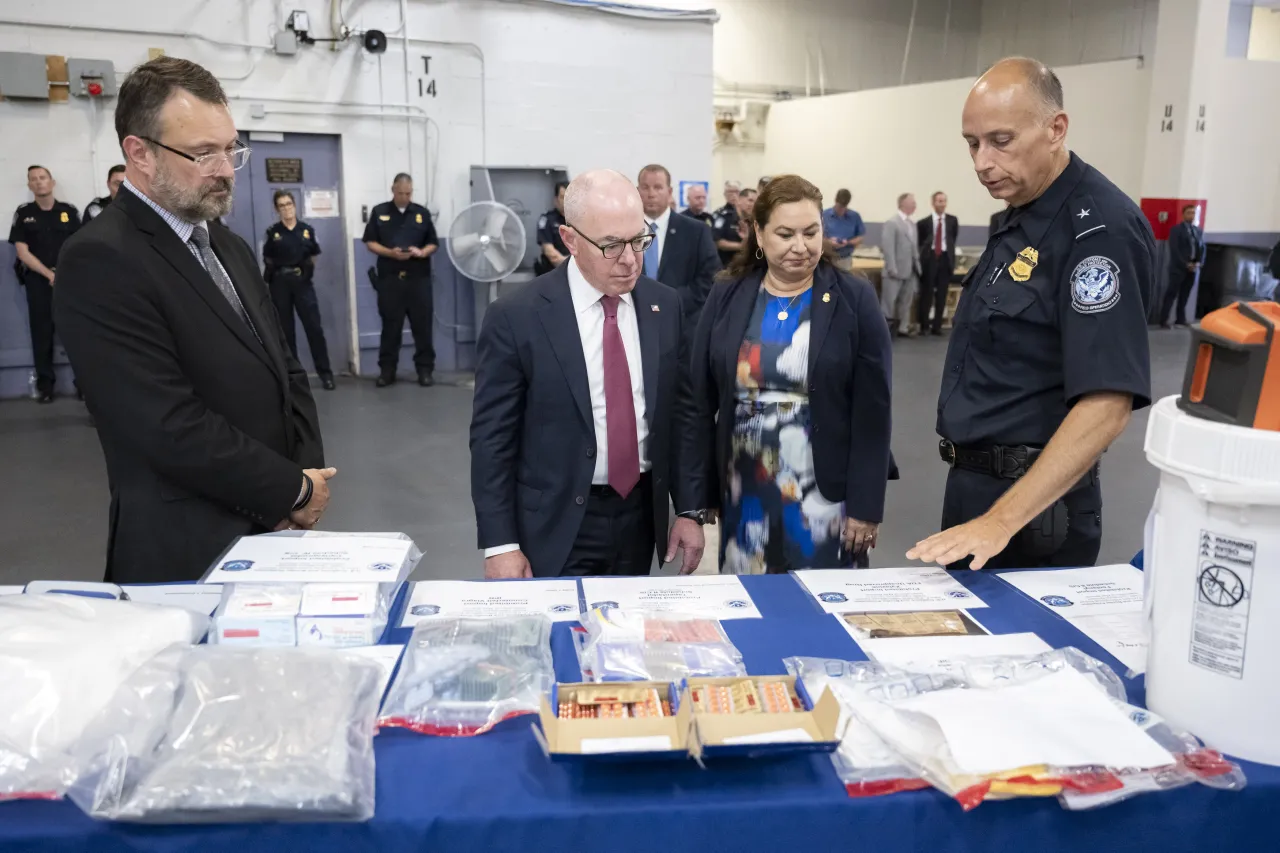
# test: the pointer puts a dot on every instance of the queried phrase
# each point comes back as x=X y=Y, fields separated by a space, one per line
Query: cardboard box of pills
x=760 y=715
x=631 y=721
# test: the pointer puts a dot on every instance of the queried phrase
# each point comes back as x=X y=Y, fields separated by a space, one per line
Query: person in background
x=1048 y=353
x=731 y=231
x=730 y=206
x=1186 y=256
x=936 y=235
x=684 y=254
x=206 y=419
x=760 y=184
x=288 y=255
x=115 y=177
x=901 y=276
x=39 y=229
x=403 y=237
x=697 y=209
x=554 y=252
x=844 y=228
x=791 y=379
x=582 y=405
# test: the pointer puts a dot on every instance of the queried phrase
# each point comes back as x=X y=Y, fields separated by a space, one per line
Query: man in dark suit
x=581 y=407
x=205 y=418
x=937 y=234
x=1186 y=255
x=684 y=254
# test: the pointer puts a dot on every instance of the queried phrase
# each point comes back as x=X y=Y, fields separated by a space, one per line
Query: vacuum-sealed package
x=221 y=734
x=62 y=658
x=1061 y=732
x=632 y=645
x=464 y=676
x=867 y=765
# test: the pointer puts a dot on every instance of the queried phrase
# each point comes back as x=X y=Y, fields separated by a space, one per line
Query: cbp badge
x=306 y=235
x=64 y=217
x=1020 y=269
x=1095 y=285
x=419 y=218
x=275 y=235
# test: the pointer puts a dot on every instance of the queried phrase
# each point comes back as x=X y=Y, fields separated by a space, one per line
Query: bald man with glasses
x=581 y=411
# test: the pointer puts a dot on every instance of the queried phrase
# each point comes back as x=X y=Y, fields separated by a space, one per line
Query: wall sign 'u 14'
x=284 y=170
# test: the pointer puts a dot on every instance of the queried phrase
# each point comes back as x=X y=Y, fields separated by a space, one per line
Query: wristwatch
x=698 y=515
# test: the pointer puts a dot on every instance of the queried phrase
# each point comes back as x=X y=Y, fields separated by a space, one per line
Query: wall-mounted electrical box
x=24 y=75
x=91 y=78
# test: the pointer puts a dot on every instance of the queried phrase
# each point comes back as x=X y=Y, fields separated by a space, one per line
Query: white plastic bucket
x=1213 y=582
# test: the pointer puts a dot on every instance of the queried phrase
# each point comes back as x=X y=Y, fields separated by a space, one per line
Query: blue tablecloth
x=498 y=792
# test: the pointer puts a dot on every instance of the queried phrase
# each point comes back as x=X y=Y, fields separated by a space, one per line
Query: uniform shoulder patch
x=542 y=221
x=1095 y=285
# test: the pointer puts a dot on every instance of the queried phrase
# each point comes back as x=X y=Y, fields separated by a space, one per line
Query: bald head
x=1016 y=129
x=602 y=209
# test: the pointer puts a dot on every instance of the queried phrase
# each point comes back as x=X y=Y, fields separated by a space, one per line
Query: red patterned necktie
x=937 y=238
x=619 y=405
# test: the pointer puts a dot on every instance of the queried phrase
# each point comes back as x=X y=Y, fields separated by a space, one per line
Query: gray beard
x=193 y=204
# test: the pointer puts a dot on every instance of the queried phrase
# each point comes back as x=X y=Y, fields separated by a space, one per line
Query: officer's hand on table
x=307 y=517
x=512 y=564
x=859 y=536
x=983 y=538
x=687 y=534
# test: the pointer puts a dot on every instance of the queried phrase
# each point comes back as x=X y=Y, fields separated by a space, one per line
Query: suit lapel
x=647 y=319
x=823 y=307
x=672 y=235
x=561 y=325
x=741 y=305
x=263 y=343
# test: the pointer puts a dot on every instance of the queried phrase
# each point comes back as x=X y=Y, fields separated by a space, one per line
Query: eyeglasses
x=613 y=251
x=208 y=164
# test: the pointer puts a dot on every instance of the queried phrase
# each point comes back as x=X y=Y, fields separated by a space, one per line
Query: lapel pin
x=826 y=297
x=654 y=308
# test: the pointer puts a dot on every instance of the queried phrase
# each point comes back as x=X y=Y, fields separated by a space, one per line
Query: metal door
x=320 y=158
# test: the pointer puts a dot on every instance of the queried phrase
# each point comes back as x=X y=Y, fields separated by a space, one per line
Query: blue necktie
x=651 y=254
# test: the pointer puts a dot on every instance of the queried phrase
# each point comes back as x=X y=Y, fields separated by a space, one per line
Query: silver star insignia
x=1083 y=213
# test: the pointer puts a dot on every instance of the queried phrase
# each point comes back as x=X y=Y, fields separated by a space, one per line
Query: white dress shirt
x=933 y=229
x=662 y=223
x=589 y=312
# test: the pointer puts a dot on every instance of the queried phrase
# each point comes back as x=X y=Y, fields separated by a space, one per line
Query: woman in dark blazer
x=791 y=375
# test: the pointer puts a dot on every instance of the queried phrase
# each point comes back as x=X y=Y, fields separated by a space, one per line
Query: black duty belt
x=290 y=270
x=994 y=460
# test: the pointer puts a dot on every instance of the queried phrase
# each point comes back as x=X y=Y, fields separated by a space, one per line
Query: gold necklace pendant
x=782 y=315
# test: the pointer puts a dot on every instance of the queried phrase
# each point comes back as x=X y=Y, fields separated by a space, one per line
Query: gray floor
x=403 y=465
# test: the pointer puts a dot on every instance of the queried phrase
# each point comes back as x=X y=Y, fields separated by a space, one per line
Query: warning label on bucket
x=1220 y=625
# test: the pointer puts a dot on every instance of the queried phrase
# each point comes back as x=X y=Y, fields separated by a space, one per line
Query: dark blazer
x=849 y=381
x=205 y=429
x=1185 y=248
x=689 y=263
x=533 y=440
x=924 y=232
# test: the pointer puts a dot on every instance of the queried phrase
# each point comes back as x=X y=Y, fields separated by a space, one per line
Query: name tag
x=385 y=217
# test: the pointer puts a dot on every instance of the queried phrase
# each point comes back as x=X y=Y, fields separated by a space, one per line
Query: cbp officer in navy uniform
x=1049 y=357
x=38 y=231
x=287 y=255
x=400 y=233
x=115 y=177
x=553 y=249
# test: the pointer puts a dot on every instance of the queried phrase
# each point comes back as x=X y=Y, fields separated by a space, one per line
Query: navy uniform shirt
x=44 y=231
x=396 y=230
x=705 y=217
x=95 y=207
x=549 y=231
x=285 y=248
x=724 y=226
x=1055 y=309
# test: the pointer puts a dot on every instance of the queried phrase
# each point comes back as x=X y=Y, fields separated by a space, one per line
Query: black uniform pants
x=1068 y=534
x=1178 y=289
x=935 y=279
x=40 y=318
x=616 y=537
x=295 y=292
x=398 y=297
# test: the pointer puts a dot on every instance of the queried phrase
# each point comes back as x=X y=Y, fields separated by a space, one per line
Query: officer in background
x=730 y=230
x=288 y=254
x=115 y=177
x=697 y=209
x=731 y=189
x=400 y=233
x=39 y=229
x=1049 y=357
x=553 y=249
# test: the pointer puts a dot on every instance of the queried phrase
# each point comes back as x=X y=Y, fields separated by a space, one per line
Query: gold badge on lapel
x=826 y=297
x=306 y=235
x=419 y=218
x=1020 y=269
x=64 y=217
x=275 y=235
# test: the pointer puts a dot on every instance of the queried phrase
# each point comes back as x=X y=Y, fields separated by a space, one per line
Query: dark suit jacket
x=1185 y=248
x=849 y=381
x=924 y=232
x=205 y=429
x=533 y=440
x=689 y=263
